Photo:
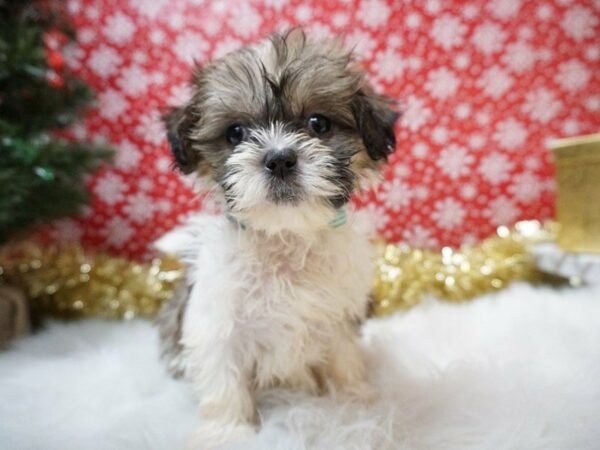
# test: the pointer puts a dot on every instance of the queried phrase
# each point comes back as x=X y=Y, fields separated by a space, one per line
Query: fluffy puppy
x=277 y=287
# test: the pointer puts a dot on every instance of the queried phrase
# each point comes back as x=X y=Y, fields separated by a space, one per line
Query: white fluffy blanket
x=516 y=370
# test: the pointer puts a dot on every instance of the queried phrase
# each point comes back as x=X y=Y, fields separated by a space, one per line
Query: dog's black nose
x=281 y=162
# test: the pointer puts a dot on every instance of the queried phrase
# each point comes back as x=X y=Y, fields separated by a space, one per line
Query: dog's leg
x=348 y=373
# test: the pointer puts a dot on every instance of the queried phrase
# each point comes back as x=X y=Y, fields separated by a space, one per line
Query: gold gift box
x=578 y=192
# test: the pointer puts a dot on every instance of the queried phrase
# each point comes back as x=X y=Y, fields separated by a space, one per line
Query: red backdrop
x=484 y=83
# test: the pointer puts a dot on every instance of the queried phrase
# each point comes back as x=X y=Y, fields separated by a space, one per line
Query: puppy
x=276 y=288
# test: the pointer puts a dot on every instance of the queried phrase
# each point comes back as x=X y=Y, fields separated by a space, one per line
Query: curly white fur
x=270 y=310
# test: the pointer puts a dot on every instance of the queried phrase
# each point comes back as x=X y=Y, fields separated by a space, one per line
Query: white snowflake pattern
x=495 y=82
x=304 y=13
x=455 y=161
x=440 y=135
x=111 y=104
x=495 y=168
x=139 y=208
x=128 y=156
x=448 y=31
x=502 y=211
x=510 y=134
x=579 y=23
x=134 y=80
x=150 y=129
x=419 y=237
x=526 y=187
x=388 y=65
x=448 y=213
x=573 y=75
x=373 y=13
x=395 y=194
x=468 y=191
x=504 y=9
x=488 y=38
x=110 y=188
x=190 y=47
x=250 y=24
x=541 y=105
x=362 y=43
x=119 y=28
x=420 y=150
x=149 y=8
x=462 y=110
x=118 y=231
x=104 y=61
x=413 y=20
x=519 y=56
x=442 y=83
x=593 y=103
x=416 y=113
x=571 y=127
x=544 y=12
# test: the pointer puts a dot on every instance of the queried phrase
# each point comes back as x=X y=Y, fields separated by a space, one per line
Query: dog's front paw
x=213 y=435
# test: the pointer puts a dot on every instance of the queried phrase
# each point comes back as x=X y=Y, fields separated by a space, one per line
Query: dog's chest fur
x=280 y=301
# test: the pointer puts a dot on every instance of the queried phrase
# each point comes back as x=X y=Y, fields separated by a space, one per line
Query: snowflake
x=462 y=60
x=495 y=82
x=420 y=150
x=455 y=161
x=319 y=31
x=571 y=127
x=373 y=13
x=495 y=168
x=448 y=213
x=502 y=211
x=433 y=6
x=250 y=24
x=519 y=56
x=579 y=23
x=128 y=156
x=304 y=13
x=139 y=208
x=462 y=110
x=468 y=191
x=118 y=231
x=104 y=61
x=510 y=134
x=340 y=20
x=592 y=53
x=419 y=237
x=526 y=187
x=442 y=83
x=190 y=47
x=593 y=103
x=110 y=188
x=439 y=135
x=413 y=20
x=545 y=12
x=118 y=28
x=395 y=194
x=388 y=65
x=504 y=9
x=111 y=104
x=488 y=38
x=362 y=43
x=573 y=75
x=157 y=36
x=416 y=114
x=149 y=8
x=134 y=80
x=541 y=105
x=448 y=31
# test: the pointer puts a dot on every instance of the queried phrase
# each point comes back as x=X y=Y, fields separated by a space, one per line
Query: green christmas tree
x=41 y=175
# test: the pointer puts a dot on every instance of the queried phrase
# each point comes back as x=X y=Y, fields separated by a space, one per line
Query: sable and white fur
x=274 y=295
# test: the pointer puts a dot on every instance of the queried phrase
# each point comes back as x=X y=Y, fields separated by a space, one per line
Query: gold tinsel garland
x=66 y=281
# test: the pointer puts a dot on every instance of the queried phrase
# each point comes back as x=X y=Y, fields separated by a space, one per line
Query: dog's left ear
x=179 y=122
x=375 y=118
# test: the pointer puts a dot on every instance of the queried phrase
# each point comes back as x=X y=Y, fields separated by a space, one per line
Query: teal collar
x=338 y=221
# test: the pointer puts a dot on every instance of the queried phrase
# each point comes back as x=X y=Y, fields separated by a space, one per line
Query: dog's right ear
x=179 y=123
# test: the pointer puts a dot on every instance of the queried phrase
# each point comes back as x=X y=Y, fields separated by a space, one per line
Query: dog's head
x=286 y=129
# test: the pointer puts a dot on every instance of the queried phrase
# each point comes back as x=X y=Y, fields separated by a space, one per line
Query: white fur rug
x=517 y=370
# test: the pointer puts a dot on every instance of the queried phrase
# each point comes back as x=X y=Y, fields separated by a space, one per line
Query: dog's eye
x=235 y=134
x=319 y=124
